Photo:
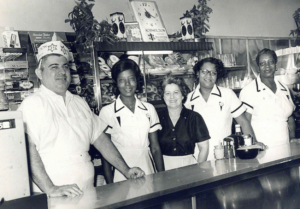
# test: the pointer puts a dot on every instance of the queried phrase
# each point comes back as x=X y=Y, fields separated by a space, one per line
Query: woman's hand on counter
x=134 y=173
x=71 y=190
x=295 y=140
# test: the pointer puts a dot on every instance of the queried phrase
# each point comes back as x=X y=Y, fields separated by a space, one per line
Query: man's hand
x=71 y=190
x=134 y=173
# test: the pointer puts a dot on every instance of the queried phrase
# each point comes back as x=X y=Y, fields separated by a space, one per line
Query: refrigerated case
x=14 y=180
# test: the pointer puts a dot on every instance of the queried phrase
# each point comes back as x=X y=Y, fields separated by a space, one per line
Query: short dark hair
x=179 y=82
x=218 y=64
x=266 y=51
x=121 y=66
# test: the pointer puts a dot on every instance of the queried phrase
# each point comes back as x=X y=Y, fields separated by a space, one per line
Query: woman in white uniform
x=215 y=104
x=132 y=124
x=269 y=103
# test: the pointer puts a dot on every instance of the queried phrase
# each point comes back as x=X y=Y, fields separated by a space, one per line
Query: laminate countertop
x=191 y=179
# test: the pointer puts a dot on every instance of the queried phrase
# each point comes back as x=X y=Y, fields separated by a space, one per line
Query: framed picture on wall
x=151 y=24
x=133 y=32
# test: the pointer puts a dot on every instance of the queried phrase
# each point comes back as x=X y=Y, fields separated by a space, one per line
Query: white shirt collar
x=119 y=105
x=260 y=86
x=215 y=91
x=52 y=95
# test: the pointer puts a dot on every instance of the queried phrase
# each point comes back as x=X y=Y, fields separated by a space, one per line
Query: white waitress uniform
x=129 y=133
x=62 y=133
x=270 y=112
x=221 y=106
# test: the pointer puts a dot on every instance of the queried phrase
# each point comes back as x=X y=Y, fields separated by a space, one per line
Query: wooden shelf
x=236 y=67
x=14 y=50
x=106 y=80
x=160 y=77
x=152 y=46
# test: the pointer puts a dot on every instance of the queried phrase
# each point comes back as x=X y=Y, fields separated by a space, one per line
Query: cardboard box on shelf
x=11 y=39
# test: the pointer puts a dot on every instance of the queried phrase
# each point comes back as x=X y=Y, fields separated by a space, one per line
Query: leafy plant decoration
x=200 y=18
x=296 y=17
x=88 y=29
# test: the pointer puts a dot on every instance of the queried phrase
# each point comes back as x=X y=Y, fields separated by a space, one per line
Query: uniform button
x=174 y=149
x=174 y=139
x=173 y=129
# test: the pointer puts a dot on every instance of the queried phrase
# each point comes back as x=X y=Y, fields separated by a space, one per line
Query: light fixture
x=149 y=52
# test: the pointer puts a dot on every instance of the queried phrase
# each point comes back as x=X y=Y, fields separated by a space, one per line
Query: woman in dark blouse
x=182 y=129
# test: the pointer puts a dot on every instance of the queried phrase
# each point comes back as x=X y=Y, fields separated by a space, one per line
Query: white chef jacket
x=62 y=133
x=129 y=132
x=221 y=106
x=270 y=112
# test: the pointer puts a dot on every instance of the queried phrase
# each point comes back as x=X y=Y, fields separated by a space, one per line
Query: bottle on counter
x=228 y=147
x=233 y=148
x=238 y=138
x=238 y=130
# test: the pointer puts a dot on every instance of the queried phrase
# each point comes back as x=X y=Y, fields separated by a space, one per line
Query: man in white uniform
x=60 y=128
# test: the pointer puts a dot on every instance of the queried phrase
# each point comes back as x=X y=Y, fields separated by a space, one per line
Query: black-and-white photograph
x=150 y=104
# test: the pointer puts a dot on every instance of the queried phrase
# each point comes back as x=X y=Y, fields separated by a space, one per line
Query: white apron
x=69 y=163
x=129 y=132
x=269 y=119
x=173 y=162
x=135 y=158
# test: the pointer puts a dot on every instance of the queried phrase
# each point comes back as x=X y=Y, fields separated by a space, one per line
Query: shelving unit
x=152 y=46
x=237 y=67
x=123 y=47
x=15 y=74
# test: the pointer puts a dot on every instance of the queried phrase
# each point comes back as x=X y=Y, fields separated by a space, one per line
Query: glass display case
x=155 y=60
x=14 y=76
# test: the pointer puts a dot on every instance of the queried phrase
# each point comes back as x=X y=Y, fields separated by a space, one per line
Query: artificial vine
x=86 y=28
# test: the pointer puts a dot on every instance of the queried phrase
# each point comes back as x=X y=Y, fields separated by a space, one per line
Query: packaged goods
x=105 y=68
x=112 y=60
x=11 y=38
x=101 y=61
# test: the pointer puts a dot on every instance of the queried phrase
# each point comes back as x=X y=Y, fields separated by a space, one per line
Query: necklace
x=129 y=103
x=131 y=106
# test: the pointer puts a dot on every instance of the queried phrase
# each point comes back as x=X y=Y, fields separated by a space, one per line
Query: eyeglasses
x=264 y=63
x=206 y=72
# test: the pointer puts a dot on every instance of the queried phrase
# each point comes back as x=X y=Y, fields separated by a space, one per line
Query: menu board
x=37 y=38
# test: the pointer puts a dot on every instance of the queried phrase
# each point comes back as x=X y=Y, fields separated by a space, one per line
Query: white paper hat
x=54 y=47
